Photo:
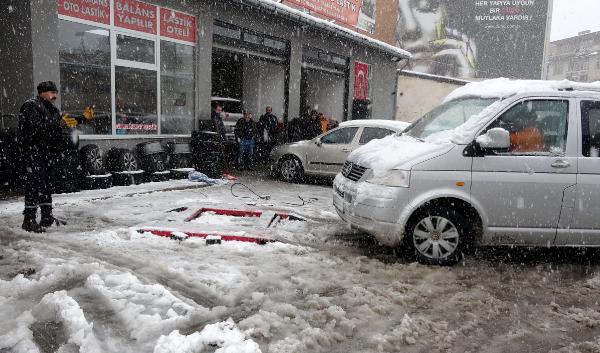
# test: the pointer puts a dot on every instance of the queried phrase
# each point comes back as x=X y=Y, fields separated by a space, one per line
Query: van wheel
x=290 y=169
x=437 y=236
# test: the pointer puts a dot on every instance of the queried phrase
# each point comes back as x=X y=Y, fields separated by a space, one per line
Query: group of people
x=309 y=125
x=259 y=137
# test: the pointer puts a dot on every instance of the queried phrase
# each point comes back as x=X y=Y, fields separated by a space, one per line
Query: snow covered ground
x=98 y=285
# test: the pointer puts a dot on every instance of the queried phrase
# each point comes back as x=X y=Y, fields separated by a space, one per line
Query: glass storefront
x=124 y=80
x=84 y=53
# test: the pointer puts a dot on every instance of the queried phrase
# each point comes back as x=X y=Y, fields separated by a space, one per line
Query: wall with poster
x=474 y=38
x=350 y=13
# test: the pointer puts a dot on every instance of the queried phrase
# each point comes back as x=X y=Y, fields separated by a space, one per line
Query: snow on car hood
x=395 y=151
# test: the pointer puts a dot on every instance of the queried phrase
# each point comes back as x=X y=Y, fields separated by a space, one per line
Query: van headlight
x=394 y=177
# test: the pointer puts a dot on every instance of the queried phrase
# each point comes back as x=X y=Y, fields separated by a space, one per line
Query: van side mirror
x=496 y=138
x=318 y=142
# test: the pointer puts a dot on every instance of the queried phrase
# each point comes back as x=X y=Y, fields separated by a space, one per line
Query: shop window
x=177 y=88
x=84 y=61
x=135 y=101
x=135 y=49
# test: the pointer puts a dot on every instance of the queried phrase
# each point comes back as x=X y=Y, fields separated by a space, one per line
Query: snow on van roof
x=394 y=124
x=504 y=87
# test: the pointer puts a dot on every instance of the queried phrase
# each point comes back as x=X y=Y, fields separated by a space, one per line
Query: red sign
x=96 y=11
x=343 y=11
x=136 y=15
x=177 y=25
x=361 y=80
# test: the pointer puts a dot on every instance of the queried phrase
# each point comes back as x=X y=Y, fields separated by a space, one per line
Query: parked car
x=325 y=154
x=498 y=163
x=233 y=112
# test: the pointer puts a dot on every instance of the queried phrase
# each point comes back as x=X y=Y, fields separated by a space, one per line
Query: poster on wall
x=474 y=38
x=361 y=80
x=350 y=13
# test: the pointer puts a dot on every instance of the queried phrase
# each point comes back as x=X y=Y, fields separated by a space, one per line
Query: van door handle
x=559 y=163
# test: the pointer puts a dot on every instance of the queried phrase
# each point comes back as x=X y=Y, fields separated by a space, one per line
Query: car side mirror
x=496 y=138
x=318 y=142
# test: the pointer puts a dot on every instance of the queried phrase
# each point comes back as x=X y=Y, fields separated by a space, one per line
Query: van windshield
x=447 y=116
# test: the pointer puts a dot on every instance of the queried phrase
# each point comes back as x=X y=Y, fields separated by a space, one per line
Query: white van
x=500 y=162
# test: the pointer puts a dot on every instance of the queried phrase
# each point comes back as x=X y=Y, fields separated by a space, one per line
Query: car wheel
x=92 y=161
x=121 y=160
x=438 y=236
x=290 y=169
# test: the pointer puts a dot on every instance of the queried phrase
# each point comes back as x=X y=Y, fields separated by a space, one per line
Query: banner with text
x=350 y=13
x=95 y=11
x=134 y=15
x=475 y=38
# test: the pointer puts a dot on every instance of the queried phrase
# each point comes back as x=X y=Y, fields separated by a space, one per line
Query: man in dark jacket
x=217 y=118
x=245 y=134
x=268 y=131
x=40 y=128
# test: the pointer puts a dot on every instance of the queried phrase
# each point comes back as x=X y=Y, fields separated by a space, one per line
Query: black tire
x=154 y=163
x=66 y=172
x=181 y=160
x=96 y=182
x=291 y=169
x=126 y=179
x=92 y=160
x=66 y=186
x=148 y=148
x=429 y=229
x=205 y=136
x=121 y=160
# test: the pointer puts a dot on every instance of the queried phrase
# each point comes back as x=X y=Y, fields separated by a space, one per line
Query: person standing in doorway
x=245 y=134
x=216 y=116
x=40 y=128
x=268 y=125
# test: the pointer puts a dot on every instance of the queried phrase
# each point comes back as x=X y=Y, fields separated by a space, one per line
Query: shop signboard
x=474 y=38
x=96 y=11
x=361 y=80
x=345 y=11
x=177 y=25
x=136 y=15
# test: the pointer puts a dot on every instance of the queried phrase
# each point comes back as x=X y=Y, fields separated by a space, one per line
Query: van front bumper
x=374 y=209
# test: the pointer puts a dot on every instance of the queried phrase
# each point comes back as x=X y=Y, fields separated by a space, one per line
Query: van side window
x=536 y=126
x=372 y=133
x=590 y=126
x=343 y=136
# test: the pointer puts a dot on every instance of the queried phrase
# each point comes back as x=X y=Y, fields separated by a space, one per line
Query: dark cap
x=46 y=86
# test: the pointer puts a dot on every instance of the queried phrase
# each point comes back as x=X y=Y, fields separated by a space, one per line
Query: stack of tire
x=179 y=159
x=67 y=170
x=10 y=159
x=207 y=153
x=153 y=160
x=93 y=169
x=124 y=167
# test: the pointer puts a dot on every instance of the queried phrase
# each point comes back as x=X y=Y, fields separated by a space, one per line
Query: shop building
x=149 y=70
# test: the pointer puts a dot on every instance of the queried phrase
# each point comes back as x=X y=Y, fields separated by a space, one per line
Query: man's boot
x=48 y=219
x=29 y=222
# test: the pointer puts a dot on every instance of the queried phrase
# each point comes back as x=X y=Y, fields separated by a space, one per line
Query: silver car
x=499 y=163
x=325 y=154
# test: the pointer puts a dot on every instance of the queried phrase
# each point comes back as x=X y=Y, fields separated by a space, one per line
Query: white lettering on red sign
x=136 y=15
x=90 y=10
x=177 y=25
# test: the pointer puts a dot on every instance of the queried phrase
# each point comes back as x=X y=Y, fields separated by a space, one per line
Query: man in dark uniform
x=40 y=130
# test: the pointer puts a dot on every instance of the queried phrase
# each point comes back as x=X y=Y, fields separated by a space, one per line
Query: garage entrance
x=250 y=67
x=324 y=83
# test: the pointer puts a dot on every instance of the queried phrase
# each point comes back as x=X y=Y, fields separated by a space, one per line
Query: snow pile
x=392 y=151
x=54 y=307
x=136 y=303
x=223 y=334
